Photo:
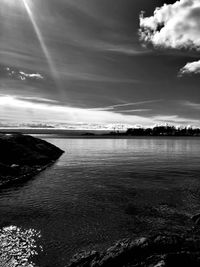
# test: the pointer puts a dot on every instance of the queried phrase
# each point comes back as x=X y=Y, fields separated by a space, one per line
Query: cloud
x=191 y=105
x=21 y=75
x=21 y=109
x=35 y=99
x=175 y=120
x=89 y=77
x=18 y=111
x=37 y=76
x=193 y=67
x=174 y=26
x=126 y=50
x=127 y=104
x=135 y=110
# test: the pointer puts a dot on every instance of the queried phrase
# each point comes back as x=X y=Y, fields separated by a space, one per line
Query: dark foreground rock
x=157 y=251
x=23 y=156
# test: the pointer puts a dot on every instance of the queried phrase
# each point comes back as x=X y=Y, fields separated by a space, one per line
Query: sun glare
x=42 y=44
x=27 y=6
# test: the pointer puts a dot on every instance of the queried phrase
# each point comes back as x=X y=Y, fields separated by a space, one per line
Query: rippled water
x=102 y=190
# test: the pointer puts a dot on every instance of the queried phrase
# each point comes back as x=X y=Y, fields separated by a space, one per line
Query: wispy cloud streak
x=134 y=110
x=192 y=105
x=127 y=104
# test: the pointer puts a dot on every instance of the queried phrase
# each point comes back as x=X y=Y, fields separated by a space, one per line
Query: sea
x=99 y=191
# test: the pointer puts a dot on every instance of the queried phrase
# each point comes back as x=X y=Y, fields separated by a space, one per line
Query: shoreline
x=158 y=131
x=12 y=180
x=63 y=136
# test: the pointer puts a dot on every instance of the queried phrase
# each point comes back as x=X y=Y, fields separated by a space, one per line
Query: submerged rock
x=157 y=251
x=23 y=156
x=196 y=219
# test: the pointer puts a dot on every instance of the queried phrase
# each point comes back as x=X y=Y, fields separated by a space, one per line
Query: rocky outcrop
x=23 y=156
x=156 y=251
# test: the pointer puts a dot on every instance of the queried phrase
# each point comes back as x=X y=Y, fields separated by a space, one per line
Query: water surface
x=102 y=190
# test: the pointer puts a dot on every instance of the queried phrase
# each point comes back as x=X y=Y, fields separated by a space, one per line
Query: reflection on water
x=102 y=190
x=17 y=247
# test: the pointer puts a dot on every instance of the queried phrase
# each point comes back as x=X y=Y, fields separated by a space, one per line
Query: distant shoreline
x=157 y=131
x=62 y=136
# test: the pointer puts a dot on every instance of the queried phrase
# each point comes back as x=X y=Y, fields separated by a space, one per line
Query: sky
x=99 y=64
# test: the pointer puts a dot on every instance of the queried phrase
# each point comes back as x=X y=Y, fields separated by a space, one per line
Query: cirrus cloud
x=174 y=26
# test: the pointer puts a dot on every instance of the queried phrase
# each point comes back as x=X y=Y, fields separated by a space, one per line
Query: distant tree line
x=160 y=131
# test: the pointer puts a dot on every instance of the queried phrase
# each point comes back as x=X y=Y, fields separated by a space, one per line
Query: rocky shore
x=155 y=251
x=23 y=156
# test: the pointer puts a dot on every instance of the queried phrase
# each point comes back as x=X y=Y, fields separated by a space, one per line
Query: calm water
x=102 y=190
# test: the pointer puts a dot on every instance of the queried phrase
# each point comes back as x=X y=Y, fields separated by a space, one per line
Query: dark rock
x=23 y=156
x=167 y=242
x=23 y=149
x=157 y=251
x=84 y=258
x=4 y=169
